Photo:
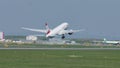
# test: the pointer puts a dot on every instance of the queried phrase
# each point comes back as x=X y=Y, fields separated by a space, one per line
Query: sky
x=99 y=18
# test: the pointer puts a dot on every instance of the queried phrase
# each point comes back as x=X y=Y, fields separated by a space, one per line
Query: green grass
x=15 y=45
x=59 y=59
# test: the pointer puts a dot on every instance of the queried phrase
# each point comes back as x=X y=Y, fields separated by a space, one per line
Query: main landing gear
x=63 y=36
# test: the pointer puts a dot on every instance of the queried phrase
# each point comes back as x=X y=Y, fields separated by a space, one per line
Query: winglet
x=46 y=25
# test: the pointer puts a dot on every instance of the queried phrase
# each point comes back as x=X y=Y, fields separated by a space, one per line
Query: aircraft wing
x=38 y=35
x=73 y=31
x=70 y=32
x=35 y=30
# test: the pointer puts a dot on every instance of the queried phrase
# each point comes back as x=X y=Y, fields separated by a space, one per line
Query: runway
x=59 y=48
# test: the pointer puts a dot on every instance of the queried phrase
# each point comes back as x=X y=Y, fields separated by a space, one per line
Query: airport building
x=31 y=37
x=1 y=35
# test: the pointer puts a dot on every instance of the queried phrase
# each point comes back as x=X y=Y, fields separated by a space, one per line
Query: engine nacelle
x=70 y=33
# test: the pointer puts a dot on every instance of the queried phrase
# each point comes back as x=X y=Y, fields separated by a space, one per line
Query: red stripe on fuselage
x=48 y=31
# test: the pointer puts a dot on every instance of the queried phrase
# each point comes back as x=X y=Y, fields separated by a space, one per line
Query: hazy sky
x=100 y=18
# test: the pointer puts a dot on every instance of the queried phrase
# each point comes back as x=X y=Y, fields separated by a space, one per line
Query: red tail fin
x=47 y=28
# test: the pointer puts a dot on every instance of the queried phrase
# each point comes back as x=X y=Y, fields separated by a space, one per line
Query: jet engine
x=70 y=33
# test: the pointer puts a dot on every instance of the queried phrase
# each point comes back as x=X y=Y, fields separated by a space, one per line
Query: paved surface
x=59 y=48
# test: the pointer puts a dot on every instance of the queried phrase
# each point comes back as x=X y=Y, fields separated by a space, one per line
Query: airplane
x=59 y=30
x=111 y=42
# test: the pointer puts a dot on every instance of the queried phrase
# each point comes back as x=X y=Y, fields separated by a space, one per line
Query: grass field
x=59 y=58
x=15 y=45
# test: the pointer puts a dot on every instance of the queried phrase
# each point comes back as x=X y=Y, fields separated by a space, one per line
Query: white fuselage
x=57 y=30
